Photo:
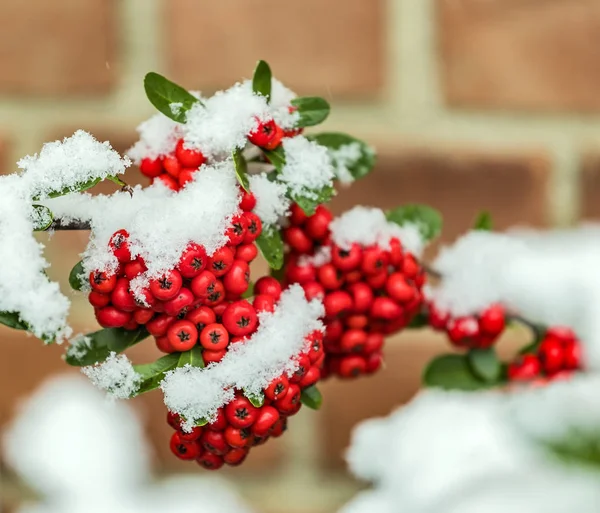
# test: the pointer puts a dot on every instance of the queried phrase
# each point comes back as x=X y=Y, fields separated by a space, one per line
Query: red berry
x=295 y=237
x=254 y=227
x=438 y=319
x=279 y=427
x=220 y=422
x=385 y=308
x=346 y=259
x=374 y=361
x=572 y=355
x=214 y=442
x=263 y=134
x=201 y=317
x=158 y=326
x=334 y=330
x=214 y=337
x=142 y=316
x=235 y=457
x=263 y=303
x=121 y=298
x=396 y=254
x=194 y=434
x=167 y=286
x=221 y=261
x=210 y=461
x=352 y=366
x=102 y=282
x=492 y=320
x=182 y=449
x=192 y=261
x=188 y=157
x=297 y=215
x=552 y=356
x=111 y=317
x=362 y=297
x=290 y=401
x=98 y=300
x=168 y=181
x=310 y=378
x=248 y=201
x=266 y=419
x=237 y=231
x=463 y=331
x=300 y=273
x=330 y=277
x=174 y=420
x=240 y=413
x=246 y=252
x=276 y=141
x=315 y=344
x=277 y=388
x=337 y=302
x=180 y=303
x=410 y=266
x=172 y=166
x=240 y=318
x=119 y=246
x=238 y=438
x=268 y=285
x=163 y=345
x=217 y=295
x=378 y=280
x=182 y=335
x=134 y=268
x=399 y=289
x=374 y=261
x=213 y=356
x=317 y=225
x=151 y=167
x=303 y=366
x=353 y=341
x=374 y=343
x=526 y=368
x=313 y=289
x=204 y=284
x=186 y=175
x=237 y=279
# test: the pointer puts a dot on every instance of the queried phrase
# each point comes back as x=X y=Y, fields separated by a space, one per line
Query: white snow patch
x=369 y=227
x=115 y=375
x=343 y=158
x=321 y=257
x=158 y=137
x=271 y=200
x=197 y=393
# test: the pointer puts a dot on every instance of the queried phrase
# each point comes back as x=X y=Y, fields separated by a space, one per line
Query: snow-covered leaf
x=485 y=364
x=452 y=372
x=276 y=157
x=312 y=109
x=12 y=320
x=270 y=244
x=169 y=98
x=312 y=397
x=351 y=157
x=261 y=81
x=428 y=220
x=42 y=218
x=310 y=203
x=257 y=400
x=80 y=187
x=153 y=373
x=241 y=168
x=97 y=346
x=75 y=276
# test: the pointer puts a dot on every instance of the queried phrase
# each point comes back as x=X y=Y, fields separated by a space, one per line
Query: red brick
x=212 y=45
x=346 y=403
x=57 y=48
x=521 y=54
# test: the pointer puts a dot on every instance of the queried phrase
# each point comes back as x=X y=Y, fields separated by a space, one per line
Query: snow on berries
x=369 y=282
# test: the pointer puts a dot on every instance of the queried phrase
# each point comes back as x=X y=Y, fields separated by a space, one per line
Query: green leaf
x=80 y=187
x=276 y=157
x=427 y=219
x=241 y=169
x=485 y=364
x=311 y=397
x=116 y=180
x=310 y=204
x=249 y=291
x=166 y=95
x=74 y=277
x=192 y=357
x=261 y=81
x=256 y=400
x=451 y=372
x=101 y=343
x=153 y=373
x=312 y=109
x=42 y=218
x=13 y=320
x=358 y=167
x=577 y=447
x=483 y=221
x=270 y=244
x=201 y=422
x=421 y=320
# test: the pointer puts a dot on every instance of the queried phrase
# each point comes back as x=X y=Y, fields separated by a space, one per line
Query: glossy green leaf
x=201 y=422
x=256 y=400
x=426 y=219
x=312 y=397
x=169 y=98
x=451 y=372
x=76 y=275
x=485 y=364
x=338 y=144
x=116 y=180
x=241 y=169
x=101 y=343
x=42 y=218
x=192 y=357
x=483 y=221
x=249 y=291
x=312 y=109
x=153 y=373
x=270 y=244
x=261 y=81
x=80 y=187
x=12 y=320
x=276 y=157
x=310 y=204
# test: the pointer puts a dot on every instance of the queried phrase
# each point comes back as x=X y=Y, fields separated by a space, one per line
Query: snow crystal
x=321 y=257
x=158 y=137
x=307 y=167
x=281 y=98
x=116 y=375
x=271 y=200
x=197 y=393
x=223 y=123
x=368 y=226
x=344 y=157
x=79 y=346
x=160 y=222
x=61 y=165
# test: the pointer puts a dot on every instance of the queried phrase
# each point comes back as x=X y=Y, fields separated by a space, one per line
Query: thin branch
x=59 y=224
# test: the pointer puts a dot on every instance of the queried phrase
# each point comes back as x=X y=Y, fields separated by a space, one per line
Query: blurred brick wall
x=472 y=104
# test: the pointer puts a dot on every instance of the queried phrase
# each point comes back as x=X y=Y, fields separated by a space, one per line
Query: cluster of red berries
x=471 y=331
x=368 y=292
x=240 y=425
x=558 y=355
